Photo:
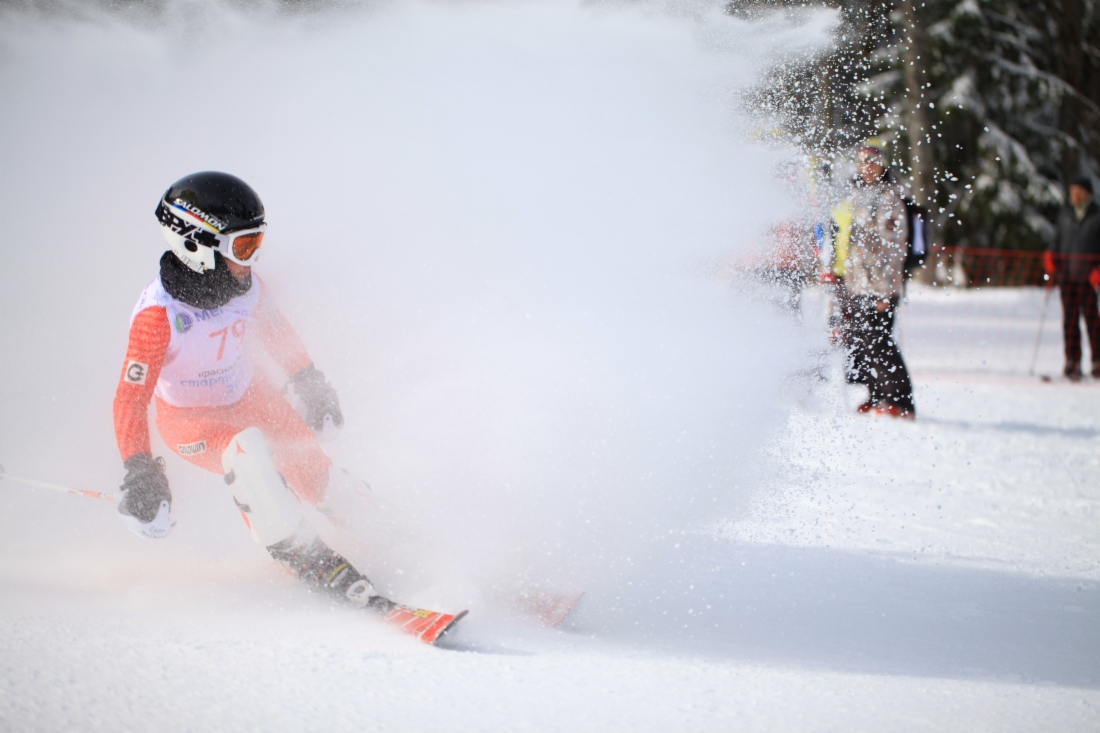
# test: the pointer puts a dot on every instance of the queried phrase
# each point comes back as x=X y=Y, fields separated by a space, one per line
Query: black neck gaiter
x=204 y=290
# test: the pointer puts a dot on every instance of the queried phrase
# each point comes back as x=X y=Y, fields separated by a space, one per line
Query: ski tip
x=441 y=627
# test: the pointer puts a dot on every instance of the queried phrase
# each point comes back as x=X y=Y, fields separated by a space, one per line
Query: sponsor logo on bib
x=183 y=322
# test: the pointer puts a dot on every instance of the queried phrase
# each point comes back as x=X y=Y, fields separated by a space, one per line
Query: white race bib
x=208 y=363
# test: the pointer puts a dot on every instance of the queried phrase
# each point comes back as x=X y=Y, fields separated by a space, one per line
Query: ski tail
x=551 y=609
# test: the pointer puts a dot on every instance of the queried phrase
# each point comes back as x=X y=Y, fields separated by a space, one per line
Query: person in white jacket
x=875 y=278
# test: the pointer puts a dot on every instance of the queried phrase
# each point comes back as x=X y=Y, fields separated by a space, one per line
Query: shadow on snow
x=1016 y=427
x=859 y=612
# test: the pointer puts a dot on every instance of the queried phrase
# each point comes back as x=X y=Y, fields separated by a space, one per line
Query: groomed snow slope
x=940 y=575
x=488 y=221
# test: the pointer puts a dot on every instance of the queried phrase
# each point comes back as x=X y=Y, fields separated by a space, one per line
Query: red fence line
x=985 y=267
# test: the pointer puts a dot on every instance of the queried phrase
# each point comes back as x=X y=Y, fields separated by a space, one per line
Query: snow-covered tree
x=1013 y=96
x=998 y=99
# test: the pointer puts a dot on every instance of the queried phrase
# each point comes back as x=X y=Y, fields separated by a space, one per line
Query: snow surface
x=940 y=575
x=488 y=223
x=1003 y=332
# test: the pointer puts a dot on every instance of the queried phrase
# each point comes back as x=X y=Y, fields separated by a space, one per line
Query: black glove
x=144 y=488
x=318 y=398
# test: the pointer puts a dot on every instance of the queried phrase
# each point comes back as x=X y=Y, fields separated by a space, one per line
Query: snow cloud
x=490 y=222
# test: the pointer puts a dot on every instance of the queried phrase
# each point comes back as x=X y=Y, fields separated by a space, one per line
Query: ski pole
x=1039 y=336
x=55 y=487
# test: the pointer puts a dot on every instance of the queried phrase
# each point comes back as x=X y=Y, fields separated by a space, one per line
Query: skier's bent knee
x=274 y=514
x=269 y=507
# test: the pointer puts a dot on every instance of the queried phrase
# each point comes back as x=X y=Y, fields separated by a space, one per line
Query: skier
x=193 y=338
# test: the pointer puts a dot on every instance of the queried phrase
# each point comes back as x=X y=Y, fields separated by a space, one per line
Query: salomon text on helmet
x=209 y=211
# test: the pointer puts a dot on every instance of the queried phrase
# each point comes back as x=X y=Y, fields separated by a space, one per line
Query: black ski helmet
x=196 y=206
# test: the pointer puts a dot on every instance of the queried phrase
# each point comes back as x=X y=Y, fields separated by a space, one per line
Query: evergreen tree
x=1014 y=95
x=999 y=99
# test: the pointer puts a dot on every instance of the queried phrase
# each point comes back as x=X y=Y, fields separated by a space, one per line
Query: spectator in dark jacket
x=1074 y=262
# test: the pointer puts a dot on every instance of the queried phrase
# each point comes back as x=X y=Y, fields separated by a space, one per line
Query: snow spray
x=493 y=225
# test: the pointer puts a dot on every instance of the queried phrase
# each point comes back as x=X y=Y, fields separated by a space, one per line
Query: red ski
x=428 y=626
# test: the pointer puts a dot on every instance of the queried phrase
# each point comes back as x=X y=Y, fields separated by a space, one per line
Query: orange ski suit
x=200 y=434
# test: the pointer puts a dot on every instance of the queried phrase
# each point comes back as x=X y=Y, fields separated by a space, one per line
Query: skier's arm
x=150 y=334
x=146 y=499
x=280 y=340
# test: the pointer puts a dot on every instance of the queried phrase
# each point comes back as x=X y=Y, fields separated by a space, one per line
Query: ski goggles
x=241 y=246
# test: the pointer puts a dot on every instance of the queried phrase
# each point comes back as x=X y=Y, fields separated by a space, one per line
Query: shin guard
x=268 y=505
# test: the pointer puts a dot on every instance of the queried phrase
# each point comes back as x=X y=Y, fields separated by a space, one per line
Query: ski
x=428 y=626
x=550 y=609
